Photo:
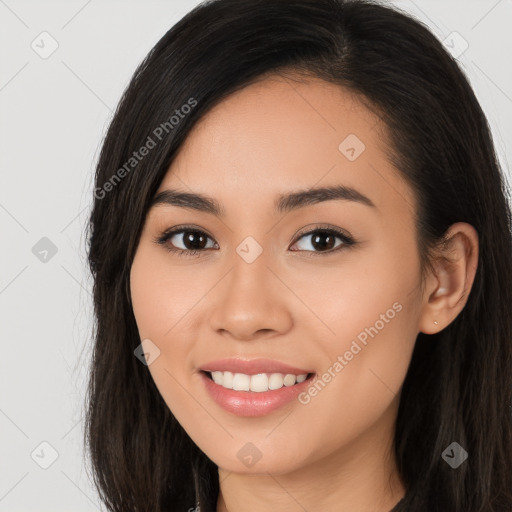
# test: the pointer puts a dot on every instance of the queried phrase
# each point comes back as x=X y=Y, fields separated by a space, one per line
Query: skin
x=276 y=136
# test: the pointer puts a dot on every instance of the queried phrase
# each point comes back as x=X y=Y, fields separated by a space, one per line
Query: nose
x=251 y=302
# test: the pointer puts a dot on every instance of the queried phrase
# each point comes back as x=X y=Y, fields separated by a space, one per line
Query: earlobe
x=452 y=273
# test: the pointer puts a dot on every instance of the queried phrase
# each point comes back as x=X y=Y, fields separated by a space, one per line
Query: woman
x=301 y=250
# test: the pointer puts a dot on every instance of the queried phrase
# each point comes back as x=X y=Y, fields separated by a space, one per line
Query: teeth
x=241 y=382
x=258 y=383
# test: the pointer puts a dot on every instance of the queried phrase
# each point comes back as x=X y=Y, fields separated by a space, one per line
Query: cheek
x=147 y=300
x=365 y=295
x=363 y=373
x=369 y=313
x=161 y=295
x=163 y=306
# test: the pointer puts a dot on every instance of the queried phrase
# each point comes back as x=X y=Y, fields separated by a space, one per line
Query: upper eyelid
x=310 y=230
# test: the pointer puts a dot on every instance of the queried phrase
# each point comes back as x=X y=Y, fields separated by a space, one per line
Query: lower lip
x=251 y=403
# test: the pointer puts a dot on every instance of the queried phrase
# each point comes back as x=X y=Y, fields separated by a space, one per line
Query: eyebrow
x=283 y=204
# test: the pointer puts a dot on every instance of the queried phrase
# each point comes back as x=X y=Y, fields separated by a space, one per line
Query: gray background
x=54 y=112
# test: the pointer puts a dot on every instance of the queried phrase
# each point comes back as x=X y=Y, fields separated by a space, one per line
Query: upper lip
x=252 y=366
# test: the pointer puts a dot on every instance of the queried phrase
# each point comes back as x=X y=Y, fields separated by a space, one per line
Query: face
x=327 y=284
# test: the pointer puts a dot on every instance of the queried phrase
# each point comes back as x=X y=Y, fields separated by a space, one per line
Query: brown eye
x=186 y=241
x=323 y=240
x=191 y=240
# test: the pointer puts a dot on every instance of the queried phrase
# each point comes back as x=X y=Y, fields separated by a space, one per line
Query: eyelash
x=168 y=234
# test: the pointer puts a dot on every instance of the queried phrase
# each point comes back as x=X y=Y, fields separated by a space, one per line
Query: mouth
x=256 y=383
x=244 y=394
x=254 y=387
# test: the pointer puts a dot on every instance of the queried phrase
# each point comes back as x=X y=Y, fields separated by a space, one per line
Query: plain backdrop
x=54 y=110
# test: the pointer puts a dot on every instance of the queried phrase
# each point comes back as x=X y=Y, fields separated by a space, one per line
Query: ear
x=450 y=278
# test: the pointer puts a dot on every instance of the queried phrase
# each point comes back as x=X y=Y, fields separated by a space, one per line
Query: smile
x=258 y=383
x=254 y=395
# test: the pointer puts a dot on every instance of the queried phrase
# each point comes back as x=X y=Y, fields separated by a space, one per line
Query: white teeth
x=257 y=383
x=276 y=381
x=241 y=382
x=289 y=379
x=217 y=377
x=227 y=380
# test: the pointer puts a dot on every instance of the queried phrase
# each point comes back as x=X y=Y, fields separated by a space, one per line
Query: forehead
x=279 y=134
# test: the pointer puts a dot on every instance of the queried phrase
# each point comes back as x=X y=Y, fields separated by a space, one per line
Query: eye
x=323 y=240
x=185 y=241
x=190 y=241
